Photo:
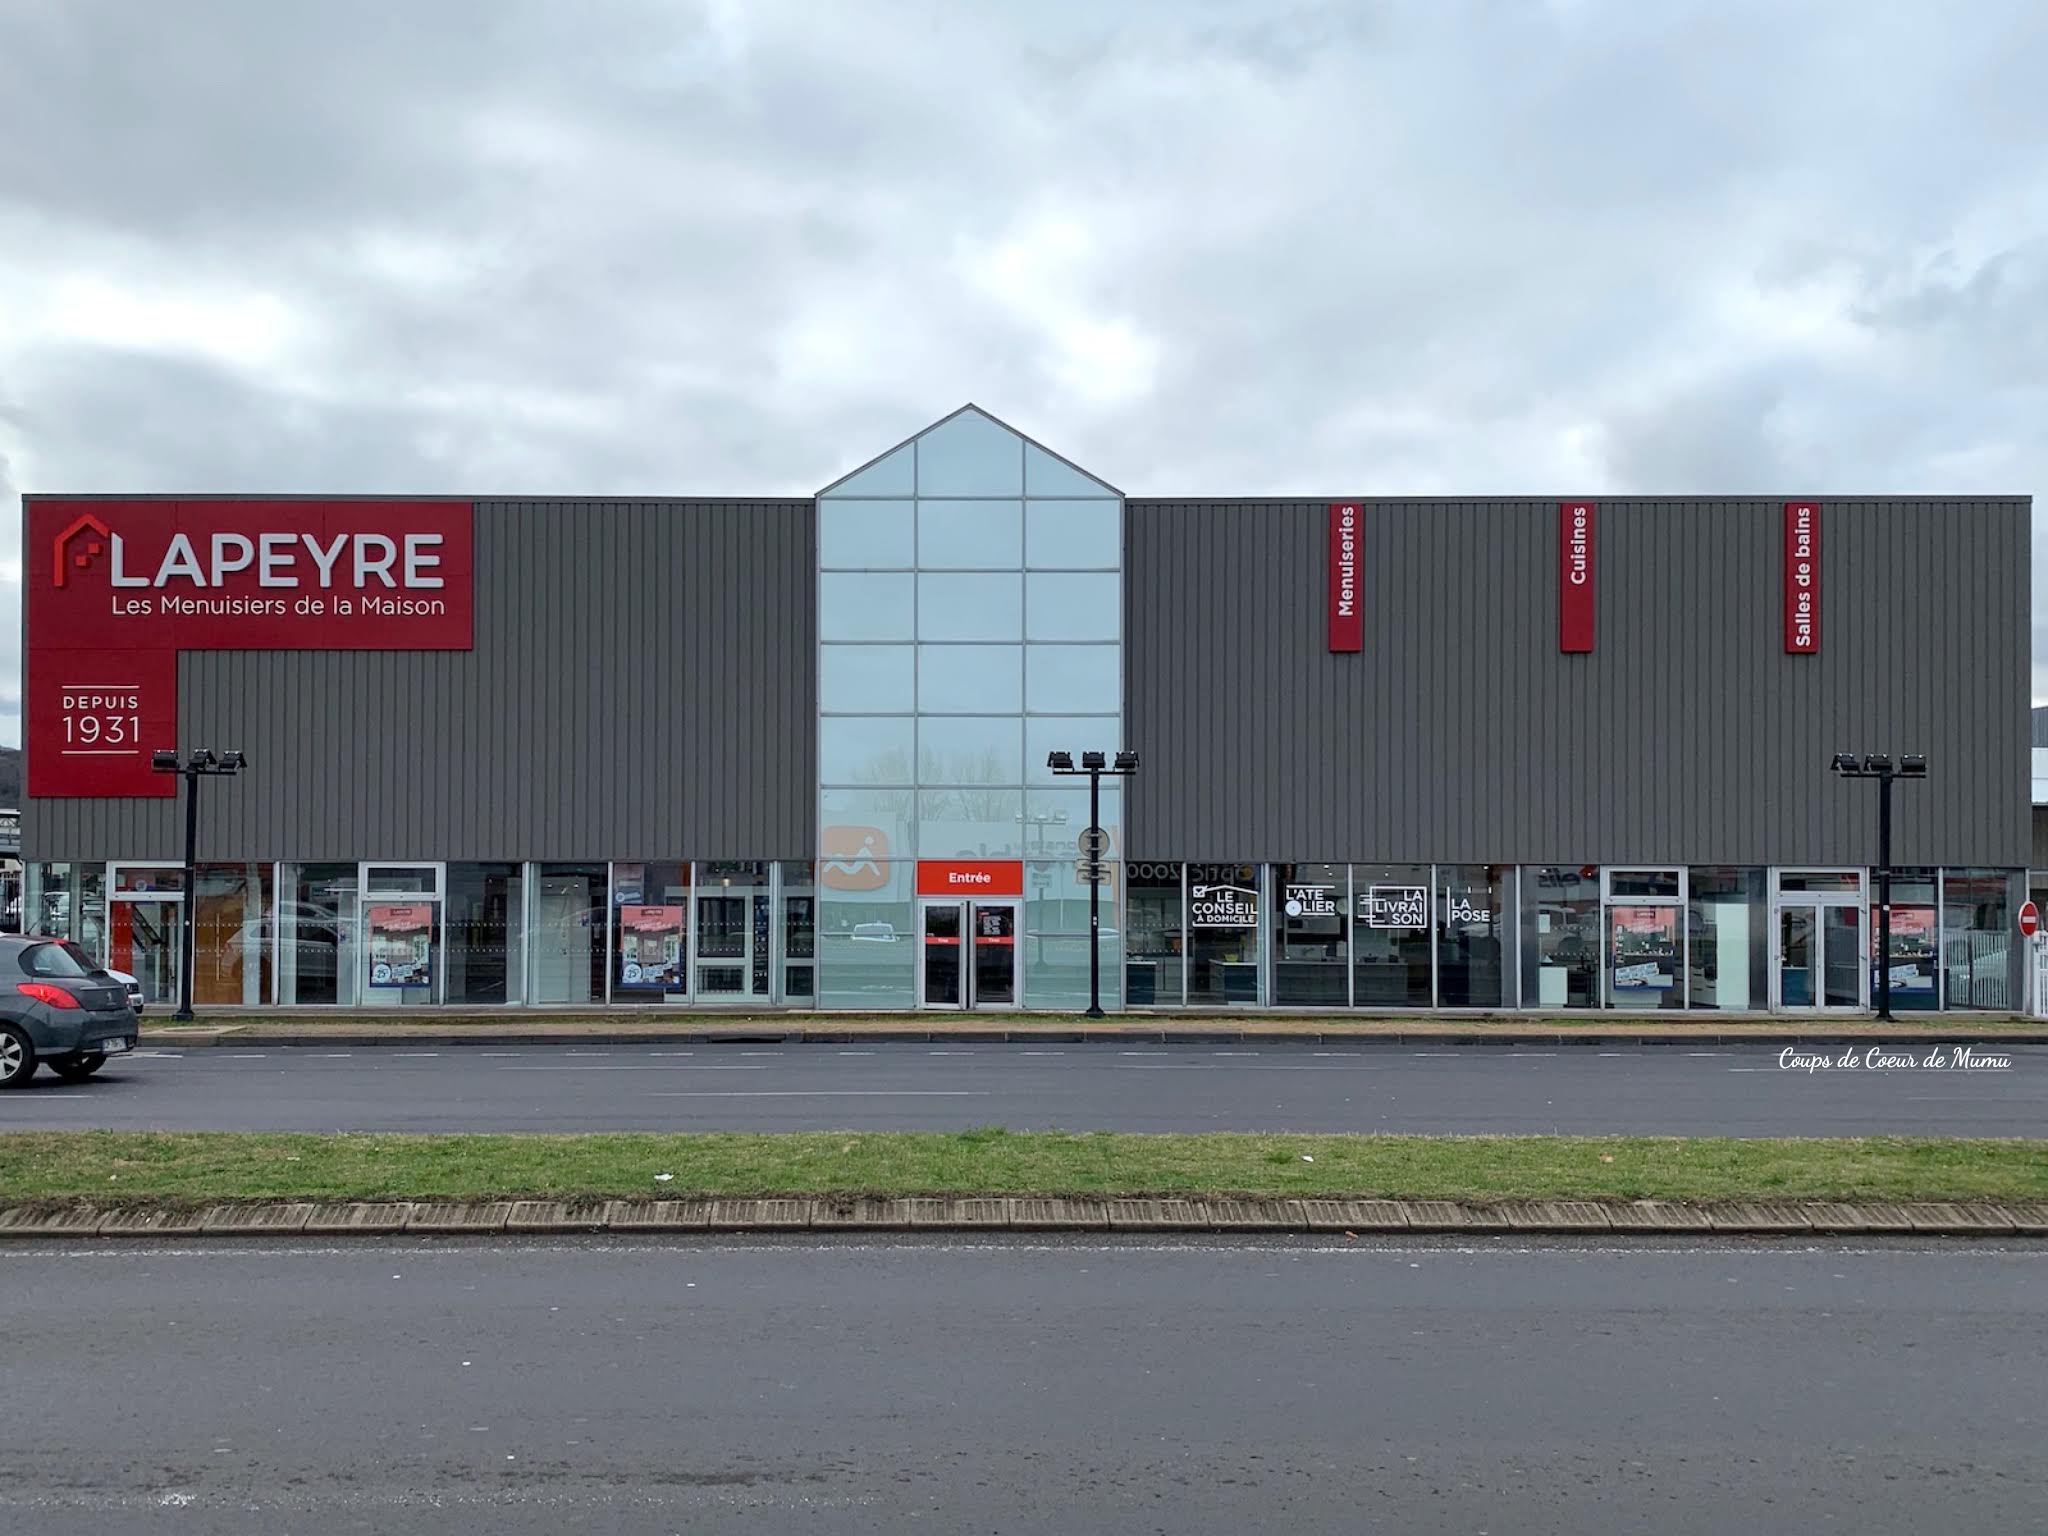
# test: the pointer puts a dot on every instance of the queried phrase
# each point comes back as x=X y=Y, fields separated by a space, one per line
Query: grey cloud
x=635 y=247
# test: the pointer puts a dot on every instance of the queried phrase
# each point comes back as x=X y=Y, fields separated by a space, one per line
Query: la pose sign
x=116 y=589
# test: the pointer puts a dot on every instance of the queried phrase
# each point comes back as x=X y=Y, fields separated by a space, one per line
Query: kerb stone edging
x=995 y=1213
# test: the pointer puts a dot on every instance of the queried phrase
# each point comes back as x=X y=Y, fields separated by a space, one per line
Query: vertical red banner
x=1346 y=527
x=1347 y=632
x=1575 y=575
x=1802 y=578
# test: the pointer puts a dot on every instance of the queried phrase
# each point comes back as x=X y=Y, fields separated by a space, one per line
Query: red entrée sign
x=1347 y=526
x=1575 y=576
x=115 y=589
x=970 y=877
x=1802 y=578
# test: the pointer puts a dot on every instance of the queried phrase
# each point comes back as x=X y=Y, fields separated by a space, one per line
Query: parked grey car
x=58 y=1009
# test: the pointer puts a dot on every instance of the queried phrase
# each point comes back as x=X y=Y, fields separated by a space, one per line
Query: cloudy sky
x=1577 y=247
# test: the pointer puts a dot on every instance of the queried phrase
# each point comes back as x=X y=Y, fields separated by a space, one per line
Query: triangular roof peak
x=967 y=453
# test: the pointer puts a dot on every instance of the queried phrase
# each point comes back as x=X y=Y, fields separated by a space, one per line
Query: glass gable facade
x=969 y=622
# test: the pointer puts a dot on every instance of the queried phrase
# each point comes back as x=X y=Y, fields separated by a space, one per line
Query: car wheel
x=76 y=1069
x=17 y=1057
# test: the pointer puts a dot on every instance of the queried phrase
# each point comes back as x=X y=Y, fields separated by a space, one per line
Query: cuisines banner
x=1575 y=576
x=115 y=589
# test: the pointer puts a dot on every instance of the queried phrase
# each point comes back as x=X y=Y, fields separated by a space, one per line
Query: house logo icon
x=83 y=541
x=850 y=858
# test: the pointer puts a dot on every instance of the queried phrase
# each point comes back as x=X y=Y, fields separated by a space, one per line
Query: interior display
x=400 y=940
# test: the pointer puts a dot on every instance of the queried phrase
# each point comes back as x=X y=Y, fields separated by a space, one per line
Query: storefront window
x=231 y=940
x=650 y=931
x=735 y=932
x=1475 y=907
x=1309 y=949
x=1979 y=954
x=1916 y=941
x=1561 y=936
x=1727 y=937
x=317 y=936
x=799 y=930
x=1390 y=905
x=867 y=934
x=1155 y=935
x=485 y=910
x=1055 y=952
x=1643 y=950
x=568 y=936
x=67 y=901
x=1223 y=934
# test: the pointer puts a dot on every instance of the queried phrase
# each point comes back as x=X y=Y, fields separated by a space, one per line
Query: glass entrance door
x=144 y=939
x=995 y=954
x=1820 y=955
x=941 y=977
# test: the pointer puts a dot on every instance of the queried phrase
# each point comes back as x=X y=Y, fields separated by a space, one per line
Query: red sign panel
x=1575 y=576
x=1802 y=578
x=970 y=877
x=2030 y=919
x=115 y=589
x=1346 y=628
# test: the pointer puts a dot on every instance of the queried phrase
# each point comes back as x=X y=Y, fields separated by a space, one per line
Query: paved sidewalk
x=272 y=1218
x=621 y=1026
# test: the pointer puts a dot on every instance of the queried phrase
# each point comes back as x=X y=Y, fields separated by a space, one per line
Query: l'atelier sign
x=116 y=589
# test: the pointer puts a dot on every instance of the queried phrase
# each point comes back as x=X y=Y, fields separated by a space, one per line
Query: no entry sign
x=2030 y=919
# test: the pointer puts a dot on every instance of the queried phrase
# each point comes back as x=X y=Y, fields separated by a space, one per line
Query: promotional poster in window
x=401 y=944
x=651 y=947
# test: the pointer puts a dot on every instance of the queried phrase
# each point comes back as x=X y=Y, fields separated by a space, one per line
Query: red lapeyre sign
x=1575 y=576
x=115 y=589
x=1802 y=578
x=1347 y=629
x=970 y=877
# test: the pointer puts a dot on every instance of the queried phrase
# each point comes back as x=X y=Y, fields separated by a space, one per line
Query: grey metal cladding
x=642 y=686
x=1462 y=734
x=2040 y=819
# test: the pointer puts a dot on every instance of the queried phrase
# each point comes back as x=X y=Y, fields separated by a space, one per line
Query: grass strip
x=127 y=1167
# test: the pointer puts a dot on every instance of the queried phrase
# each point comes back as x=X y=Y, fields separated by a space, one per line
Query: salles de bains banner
x=1802 y=578
x=116 y=589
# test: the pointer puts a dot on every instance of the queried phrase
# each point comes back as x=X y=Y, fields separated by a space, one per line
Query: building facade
x=1454 y=753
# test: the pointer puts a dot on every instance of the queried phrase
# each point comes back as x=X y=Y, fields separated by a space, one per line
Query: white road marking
x=826 y=1093
x=415 y=1055
x=1340 y=1053
x=1436 y=1053
x=671 y=1053
x=1042 y=1053
x=1233 y=1053
x=952 y=1053
x=247 y=1056
x=695 y=1066
x=586 y=1053
x=760 y=1053
x=501 y=1054
x=856 y=1053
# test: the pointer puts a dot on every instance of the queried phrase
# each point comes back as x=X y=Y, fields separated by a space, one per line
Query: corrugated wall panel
x=641 y=687
x=1461 y=734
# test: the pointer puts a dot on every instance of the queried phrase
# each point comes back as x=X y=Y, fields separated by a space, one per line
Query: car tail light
x=43 y=992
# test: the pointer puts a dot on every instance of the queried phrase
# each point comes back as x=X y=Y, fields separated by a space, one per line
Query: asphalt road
x=1648 y=1090
x=1048 y=1387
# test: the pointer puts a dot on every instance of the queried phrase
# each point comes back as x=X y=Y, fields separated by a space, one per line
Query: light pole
x=1878 y=766
x=1093 y=843
x=200 y=764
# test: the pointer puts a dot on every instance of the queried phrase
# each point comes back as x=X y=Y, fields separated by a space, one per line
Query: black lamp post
x=201 y=763
x=1094 y=842
x=1878 y=766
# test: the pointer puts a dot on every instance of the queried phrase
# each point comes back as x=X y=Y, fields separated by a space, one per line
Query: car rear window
x=60 y=959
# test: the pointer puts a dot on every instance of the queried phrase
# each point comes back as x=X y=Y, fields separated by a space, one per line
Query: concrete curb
x=273 y=1039
x=991 y=1213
